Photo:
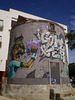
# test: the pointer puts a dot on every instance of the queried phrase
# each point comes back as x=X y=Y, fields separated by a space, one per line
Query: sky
x=61 y=11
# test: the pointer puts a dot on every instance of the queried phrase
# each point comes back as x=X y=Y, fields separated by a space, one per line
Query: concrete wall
x=49 y=63
x=36 y=92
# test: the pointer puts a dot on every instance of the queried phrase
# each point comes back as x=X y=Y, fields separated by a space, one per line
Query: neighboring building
x=8 y=19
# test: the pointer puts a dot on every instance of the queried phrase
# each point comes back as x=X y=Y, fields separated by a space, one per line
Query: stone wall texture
x=36 y=92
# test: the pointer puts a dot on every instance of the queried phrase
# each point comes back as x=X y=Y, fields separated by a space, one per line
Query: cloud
x=72 y=56
x=72 y=17
x=72 y=27
x=72 y=22
x=73 y=10
x=33 y=4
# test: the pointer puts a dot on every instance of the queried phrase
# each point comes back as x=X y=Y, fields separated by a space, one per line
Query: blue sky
x=62 y=11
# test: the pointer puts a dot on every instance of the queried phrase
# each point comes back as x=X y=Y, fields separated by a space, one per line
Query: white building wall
x=16 y=13
x=4 y=15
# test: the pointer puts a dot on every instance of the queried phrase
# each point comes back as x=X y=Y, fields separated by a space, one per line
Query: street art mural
x=40 y=44
x=51 y=45
x=17 y=51
x=67 y=72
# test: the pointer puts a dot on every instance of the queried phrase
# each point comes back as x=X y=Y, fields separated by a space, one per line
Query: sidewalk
x=70 y=98
x=6 y=98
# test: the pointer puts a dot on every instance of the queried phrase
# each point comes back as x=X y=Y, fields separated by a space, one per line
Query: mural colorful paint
x=17 y=51
x=67 y=72
x=36 y=46
x=51 y=45
x=31 y=43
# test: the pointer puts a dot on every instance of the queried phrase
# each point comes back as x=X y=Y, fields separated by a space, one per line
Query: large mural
x=51 y=45
x=46 y=44
x=17 y=51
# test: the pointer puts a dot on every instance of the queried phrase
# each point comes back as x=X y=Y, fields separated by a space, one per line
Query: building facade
x=50 y=40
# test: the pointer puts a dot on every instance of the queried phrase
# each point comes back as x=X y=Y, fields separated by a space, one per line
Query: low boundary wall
x=36 y=92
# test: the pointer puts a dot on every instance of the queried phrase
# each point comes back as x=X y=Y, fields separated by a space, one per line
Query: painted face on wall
x=18 y=48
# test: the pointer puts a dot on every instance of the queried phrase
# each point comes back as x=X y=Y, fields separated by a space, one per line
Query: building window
x=1 y=25
x=0 y=41
x=52 y=27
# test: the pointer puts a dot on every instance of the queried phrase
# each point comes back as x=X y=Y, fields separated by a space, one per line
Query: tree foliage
x=72 y=70
x=71 y=39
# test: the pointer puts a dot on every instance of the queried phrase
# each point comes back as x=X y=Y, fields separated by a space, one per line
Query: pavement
x=65 y=98
x=70 y=98
x=6 y=98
